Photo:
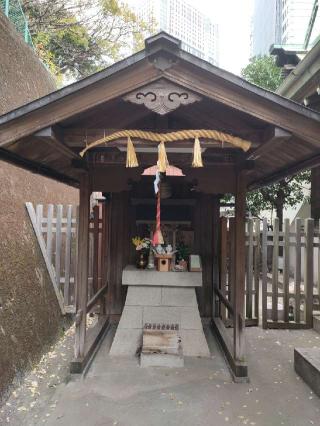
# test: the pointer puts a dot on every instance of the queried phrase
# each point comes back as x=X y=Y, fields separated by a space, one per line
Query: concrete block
x=126 y=342
x=307 y=365
x=194 y=343
x=131 y=317
x=133 y=276
x=316 y=323
x=190 y=318
x=178 y=296
x=143 y=296
x=161 y=360
x=161 y=314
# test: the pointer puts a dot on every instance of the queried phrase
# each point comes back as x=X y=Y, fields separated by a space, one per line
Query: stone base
x=307 y=365
x=316 y=323
x=161 y=360
x=160 y=304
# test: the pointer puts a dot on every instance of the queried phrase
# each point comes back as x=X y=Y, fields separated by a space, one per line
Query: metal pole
x=6 y=7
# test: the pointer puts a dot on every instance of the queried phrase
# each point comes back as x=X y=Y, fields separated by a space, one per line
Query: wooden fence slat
x=39 y=215
x=257 y=251
x=297 y=270
x=42 y=245
x=49 y=232
x=308 y=272
x=66 y=287
x=286 y=270
x=58 y=244
x=249 y=272
x=264 y=273
x=275 y=269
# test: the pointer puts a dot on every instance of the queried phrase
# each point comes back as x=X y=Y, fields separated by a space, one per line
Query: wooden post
x=275 y=270
x=257 y=267
x=249 y=272
x=215 y=266
x=223 y=263
x=286 y=269
x=82 y=267
x=239 y=270
x=264 y=274
x=308 y=270
x=297 y=270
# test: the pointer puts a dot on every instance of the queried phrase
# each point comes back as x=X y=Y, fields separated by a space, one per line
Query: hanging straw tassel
x=163 y=162
x=132 y=160
x=197 y=155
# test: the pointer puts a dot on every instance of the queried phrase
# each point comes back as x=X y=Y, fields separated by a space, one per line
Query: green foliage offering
x=76 y=38
x=263 y=72
x=183 y=251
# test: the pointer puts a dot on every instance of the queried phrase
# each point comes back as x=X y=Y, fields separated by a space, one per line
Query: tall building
x=281 y=22
x=198 y=34
x=295 y=20
x=266 y=26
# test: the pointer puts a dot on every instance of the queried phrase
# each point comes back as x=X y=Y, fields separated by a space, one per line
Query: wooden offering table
x=164 y=298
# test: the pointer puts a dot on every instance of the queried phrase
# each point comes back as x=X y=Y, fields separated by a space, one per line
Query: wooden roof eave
x=113 y=82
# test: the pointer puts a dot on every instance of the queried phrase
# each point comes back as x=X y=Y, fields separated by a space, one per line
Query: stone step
x=316 y=323
x=307 y=365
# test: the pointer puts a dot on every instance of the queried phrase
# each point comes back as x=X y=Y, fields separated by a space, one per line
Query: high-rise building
x=266 y=26
x=280 y=22
x=295 y=20
x=198 y=34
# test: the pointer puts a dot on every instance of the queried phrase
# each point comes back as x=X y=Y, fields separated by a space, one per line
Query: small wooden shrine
x=162 y=106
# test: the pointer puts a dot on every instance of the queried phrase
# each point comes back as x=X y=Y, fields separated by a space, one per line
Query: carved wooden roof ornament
x=162 y=97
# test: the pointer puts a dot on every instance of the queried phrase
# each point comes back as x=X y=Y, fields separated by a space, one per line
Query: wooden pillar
x=239 y=267
x=216 y=257
x=82 y=267
x=315 y=193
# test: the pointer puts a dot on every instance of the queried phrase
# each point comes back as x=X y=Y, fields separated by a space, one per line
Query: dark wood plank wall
x=121 y=253
x=121 y=216
x=203 y=245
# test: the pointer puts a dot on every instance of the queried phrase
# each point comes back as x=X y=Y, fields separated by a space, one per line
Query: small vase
x=142 y=259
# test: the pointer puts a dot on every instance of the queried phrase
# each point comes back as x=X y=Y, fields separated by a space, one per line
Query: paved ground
x=119 y=392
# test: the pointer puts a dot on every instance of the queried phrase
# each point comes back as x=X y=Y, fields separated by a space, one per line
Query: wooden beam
x=81 y=295
x=239 y=270
x=36 y=167
x=79 y=101
x=268 y=108
x=295 y=168
x=275 y=138
x=53 y=135
x=94 y=299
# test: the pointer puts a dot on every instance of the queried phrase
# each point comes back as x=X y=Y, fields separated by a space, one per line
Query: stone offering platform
x=307 y=365
x=160 y=297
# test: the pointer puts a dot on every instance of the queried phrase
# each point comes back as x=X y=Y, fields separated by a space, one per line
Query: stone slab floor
x=119 y=392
